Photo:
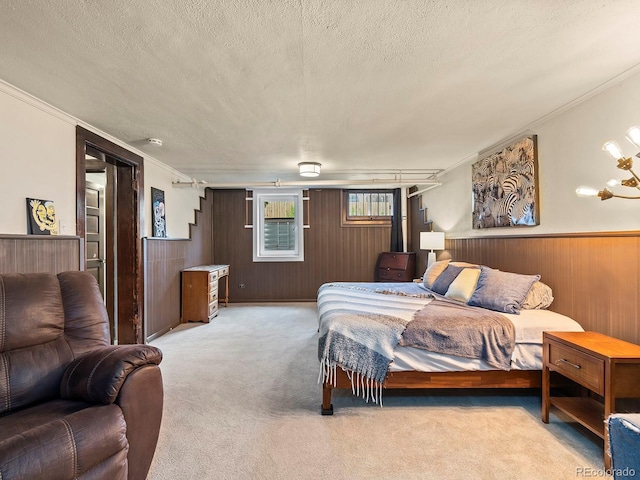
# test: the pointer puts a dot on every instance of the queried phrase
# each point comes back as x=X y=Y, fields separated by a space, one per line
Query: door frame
x=129 y=262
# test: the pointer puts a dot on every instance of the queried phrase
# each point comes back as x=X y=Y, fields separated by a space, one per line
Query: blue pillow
x=441 y=285
x=502 y=291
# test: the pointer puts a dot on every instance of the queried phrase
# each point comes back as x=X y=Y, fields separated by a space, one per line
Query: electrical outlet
x=241 y=285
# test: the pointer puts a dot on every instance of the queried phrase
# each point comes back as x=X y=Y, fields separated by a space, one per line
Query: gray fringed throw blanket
x=359 y=329
x=469 y=332
x=363 y=346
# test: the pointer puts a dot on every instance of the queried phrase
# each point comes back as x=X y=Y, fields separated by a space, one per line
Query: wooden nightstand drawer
x=392 y=275
x=394 y=260
x=578 y=366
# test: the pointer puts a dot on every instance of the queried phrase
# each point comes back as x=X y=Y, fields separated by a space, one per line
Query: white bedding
x=527 y=354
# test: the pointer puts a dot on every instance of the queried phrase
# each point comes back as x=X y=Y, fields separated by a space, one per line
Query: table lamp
x=431 y=241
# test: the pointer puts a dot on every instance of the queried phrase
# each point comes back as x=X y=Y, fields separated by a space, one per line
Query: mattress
x=527 y=354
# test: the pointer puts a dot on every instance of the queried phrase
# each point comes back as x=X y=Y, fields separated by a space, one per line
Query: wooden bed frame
x=414 y=379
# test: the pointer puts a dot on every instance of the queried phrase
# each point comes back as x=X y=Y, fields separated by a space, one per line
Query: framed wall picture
x=41 y=217
x=505 y=186
x=157 y=213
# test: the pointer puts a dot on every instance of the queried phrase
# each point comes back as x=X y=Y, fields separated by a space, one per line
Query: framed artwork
x=157 y=213
x=41 y=217
x=505 y=186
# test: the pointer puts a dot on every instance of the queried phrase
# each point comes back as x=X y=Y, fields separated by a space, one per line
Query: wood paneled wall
x=595 y=277
x=40 y=253
x=332 y=252
x=164 y=260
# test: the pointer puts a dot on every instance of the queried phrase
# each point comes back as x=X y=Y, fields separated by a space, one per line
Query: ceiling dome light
x=309 y=169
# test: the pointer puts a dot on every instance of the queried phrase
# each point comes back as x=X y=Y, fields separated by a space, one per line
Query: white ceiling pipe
x=310 y=183
x=422 y=190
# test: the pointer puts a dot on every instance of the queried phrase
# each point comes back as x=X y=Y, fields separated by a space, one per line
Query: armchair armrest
x=98 y=376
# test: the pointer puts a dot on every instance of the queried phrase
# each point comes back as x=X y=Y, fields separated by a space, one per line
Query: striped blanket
x=359 y=329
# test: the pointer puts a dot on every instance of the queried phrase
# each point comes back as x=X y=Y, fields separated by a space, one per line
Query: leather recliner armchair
x=71 y=404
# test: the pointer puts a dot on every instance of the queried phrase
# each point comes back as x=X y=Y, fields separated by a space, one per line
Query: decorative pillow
x=441 y=285
x=464 y=285
x=539 y=297
x=433 y=272
x=501 y=291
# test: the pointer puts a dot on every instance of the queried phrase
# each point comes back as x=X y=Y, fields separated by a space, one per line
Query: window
x=367 y=207
x=277 y=226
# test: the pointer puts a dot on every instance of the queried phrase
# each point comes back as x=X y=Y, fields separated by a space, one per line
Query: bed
x=367 y=332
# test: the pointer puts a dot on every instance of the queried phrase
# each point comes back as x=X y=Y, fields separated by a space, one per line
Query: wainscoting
x=595 y=277
x=164 y=260
x=40 y=253
x=331 y=252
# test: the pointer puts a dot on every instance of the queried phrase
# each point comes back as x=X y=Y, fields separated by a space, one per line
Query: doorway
x=99 y=233
x=111 y=229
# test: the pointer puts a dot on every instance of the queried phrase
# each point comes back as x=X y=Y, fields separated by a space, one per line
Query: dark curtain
x=396 y=223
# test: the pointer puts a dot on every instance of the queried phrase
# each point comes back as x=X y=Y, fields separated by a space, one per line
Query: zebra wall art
x=505 y=186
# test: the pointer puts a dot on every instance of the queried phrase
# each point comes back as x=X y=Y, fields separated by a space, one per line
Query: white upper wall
x=37 y=155
x=569 y=155
x=37 y=159
x=180 y=203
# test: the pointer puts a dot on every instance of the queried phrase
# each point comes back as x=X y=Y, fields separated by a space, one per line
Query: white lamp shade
x=431 y=240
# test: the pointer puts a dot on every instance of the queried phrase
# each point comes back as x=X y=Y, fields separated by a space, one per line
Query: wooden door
x=95 y=233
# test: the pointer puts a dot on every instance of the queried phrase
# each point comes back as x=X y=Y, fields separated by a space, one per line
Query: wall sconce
x=309 y=169
x=611 y=147
x=431 y=241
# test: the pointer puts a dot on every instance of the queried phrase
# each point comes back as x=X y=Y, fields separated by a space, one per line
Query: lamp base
x=431 y=258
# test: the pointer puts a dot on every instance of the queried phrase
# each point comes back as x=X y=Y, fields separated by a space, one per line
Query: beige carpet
x=242 y=402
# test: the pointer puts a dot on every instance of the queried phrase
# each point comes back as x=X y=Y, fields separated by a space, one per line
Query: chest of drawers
x=200 y=292
x=396 y=267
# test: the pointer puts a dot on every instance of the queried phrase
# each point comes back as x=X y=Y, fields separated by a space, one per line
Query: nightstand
x=606 y=366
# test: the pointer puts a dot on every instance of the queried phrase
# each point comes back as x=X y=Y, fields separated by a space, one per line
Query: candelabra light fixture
x=624 y=163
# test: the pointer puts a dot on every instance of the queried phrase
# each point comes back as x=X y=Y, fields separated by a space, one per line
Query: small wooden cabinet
x=396 y=267
x=200 y=292
x=606 y=366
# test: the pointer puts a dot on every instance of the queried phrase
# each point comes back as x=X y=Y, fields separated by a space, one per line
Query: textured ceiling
x=242 y=90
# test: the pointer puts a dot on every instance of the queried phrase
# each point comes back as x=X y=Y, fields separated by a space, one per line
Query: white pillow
x=464 y=285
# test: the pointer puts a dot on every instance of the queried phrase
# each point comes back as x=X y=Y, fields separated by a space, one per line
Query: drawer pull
x=562 y=360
